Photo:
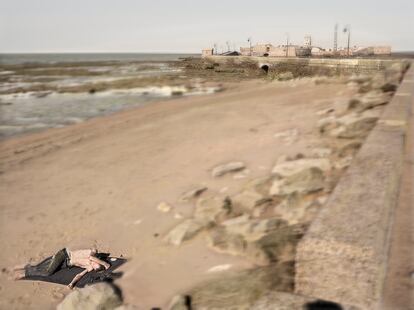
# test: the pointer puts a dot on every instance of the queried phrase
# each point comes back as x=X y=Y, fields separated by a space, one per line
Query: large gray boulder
x=212 y=209
x=278 y=244
x=186 y=230
x=101 y=296
x=349 y=148
x=327 y=123
x=252 y=229
x=321 y=152
x=240 y=290
x=372 y=99
x=224 y=242
x=260 y=185
x=307 y=180
x=247 y=200
x=341 y=106
x=355 y=125
x=295 y=210
x=262 y=242
x=291 y=168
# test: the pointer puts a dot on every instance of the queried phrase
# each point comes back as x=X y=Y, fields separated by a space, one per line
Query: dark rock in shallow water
x=177 y=93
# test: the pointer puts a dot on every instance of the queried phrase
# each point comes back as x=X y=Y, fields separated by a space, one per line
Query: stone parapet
x=343 y=256
x=357 y=64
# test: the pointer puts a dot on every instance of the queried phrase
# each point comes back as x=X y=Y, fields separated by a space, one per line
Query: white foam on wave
x=6 y=72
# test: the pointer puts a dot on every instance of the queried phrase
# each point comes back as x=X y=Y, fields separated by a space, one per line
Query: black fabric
x=65 y=274
x=48 y=266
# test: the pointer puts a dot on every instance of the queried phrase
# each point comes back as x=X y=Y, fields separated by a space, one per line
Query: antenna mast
x=250 y=45
x=335 y=47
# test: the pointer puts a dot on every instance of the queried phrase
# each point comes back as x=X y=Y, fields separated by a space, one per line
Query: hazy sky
x=189 y=25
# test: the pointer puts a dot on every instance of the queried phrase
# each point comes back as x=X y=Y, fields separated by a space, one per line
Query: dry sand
x=98 y=183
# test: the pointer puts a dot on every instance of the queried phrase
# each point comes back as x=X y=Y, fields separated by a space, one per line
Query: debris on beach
x=290 y=168
x=164 y=207
x=219 y=268
x=227 y=168
x=193 y=193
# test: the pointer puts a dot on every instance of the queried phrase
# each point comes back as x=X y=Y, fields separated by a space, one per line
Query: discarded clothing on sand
x=56 y=269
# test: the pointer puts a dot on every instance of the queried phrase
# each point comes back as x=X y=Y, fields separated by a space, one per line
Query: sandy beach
x=99 y=183
x=177 y=155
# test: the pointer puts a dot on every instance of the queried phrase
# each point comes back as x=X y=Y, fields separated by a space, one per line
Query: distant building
x=372 y=50
x=257 y=50
x=344 y=52
x=321 y=52
x=246 y=51
x=363 y=51
x=317 y=51
x=207 y=52
x=307 y=41
x=283 y=51
x=262 y=49
x=382 y=50
x=306 y=50
x=303 y=51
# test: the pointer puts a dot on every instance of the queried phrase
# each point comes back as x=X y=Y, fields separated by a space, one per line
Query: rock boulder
x=101 y=296
x=193 y=193
x=304 y=181
x=227 y=168
x=291 y=168
x=211 y=209
x=355 y=125
x=184 y=231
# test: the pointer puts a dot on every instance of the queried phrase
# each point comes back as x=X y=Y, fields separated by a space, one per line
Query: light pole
x=348 y=29
x=287 y=44
x=250 y=45
x=335 y=47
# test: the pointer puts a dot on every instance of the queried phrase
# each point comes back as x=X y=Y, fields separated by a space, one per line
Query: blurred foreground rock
x=243 y=289
x=101 y=296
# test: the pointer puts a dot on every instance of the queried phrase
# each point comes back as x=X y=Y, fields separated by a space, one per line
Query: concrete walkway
x=399 y=284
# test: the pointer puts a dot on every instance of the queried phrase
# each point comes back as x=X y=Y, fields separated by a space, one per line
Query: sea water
x=49 y=58
x=25 y=111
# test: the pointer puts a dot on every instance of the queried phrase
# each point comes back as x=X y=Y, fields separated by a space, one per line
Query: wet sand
x=98 y=183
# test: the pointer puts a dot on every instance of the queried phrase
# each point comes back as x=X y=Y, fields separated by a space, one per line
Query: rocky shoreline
x=243 y=185
x=264 y=221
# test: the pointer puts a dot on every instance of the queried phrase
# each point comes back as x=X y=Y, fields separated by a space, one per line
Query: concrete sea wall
x=354 y=64
x=343 y=256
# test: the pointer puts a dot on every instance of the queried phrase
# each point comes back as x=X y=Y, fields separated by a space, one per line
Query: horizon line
x=97 y=52
x=131 y=52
